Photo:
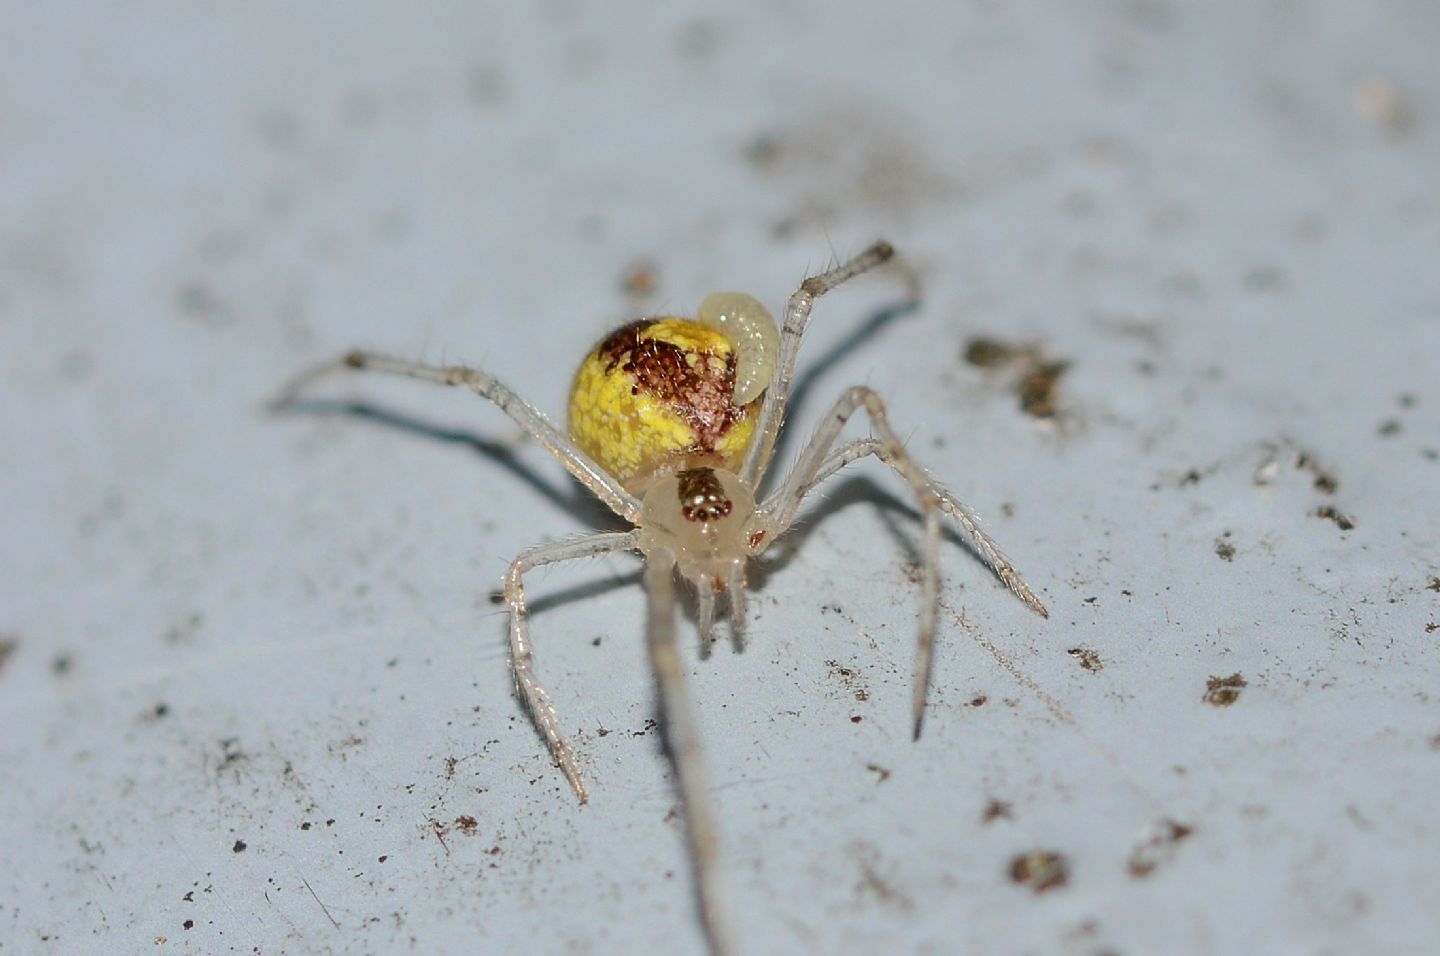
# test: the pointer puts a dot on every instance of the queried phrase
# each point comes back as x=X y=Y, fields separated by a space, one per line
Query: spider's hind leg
x=817 y=462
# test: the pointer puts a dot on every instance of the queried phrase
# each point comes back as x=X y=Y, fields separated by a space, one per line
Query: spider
x=672 y=424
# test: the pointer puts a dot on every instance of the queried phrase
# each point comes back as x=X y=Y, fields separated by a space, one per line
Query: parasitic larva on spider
x=673 y=423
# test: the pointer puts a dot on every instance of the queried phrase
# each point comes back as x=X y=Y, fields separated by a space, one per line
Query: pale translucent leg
x=784 y=503
x=522 y=659
x=797 y=316
x=527 y=416
x=682 y=740
x=705 y=613
x=736 y=588
x=817 y=462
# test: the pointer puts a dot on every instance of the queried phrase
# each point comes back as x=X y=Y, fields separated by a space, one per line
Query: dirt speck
x=1434 y=584
x=1342 y=521
x=988 y=353
x=881 y=774
x=996 y=809
x=1088 y=659
x=467 y=824
x=62 y=665
x=850 y=677
x=1158 y=848
x=7 y=648
x=240 y=847
x=1223 y=548
x=640 y=279
x=1040 y=870
x=497 y=596
x=1325 y=481
x=1382 y=104
x=1389 y=428
x=1036 y=384
x=1223 y=691
x=876 y=883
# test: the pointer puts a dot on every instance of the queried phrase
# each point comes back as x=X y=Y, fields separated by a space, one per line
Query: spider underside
x=697 y=511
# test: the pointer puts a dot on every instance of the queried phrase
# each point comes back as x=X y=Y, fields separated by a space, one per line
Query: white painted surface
x=276 y=632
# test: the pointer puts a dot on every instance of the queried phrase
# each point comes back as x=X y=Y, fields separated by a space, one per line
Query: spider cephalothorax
x=673 y=423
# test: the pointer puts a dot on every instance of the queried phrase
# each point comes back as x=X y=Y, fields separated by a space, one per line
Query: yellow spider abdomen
x=656 y=396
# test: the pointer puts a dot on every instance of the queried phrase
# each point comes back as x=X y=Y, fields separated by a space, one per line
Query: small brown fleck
x=1159 y=848
x=988 y=353
x=1037 y=389
x=978 y=700
x=1434 y=584
x=1224 y=549
x=1223 y=691
x=880 y=772
x=639 y=279
x=467 y=823
x=1342 y=521
x=1040 y=870
x=997 y=810
x=1037 y=381
x=1088 y=659
x=856 y=719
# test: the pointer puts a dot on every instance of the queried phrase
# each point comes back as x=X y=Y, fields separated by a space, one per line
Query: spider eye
x=750 y=326
x=701 y=516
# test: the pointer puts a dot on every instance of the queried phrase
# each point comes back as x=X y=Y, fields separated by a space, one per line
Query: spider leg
x=736 y=588
x=527 y=416
x=705 y=613
x=682 y=740
x=818 y=462
x=797 y=316
x=522 y=659
x=788 y=496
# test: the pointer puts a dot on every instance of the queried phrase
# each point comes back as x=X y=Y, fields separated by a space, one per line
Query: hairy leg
x=817 y=462
x=784 y=504
x=521 y=656
x=797 y=316
x=527 y=416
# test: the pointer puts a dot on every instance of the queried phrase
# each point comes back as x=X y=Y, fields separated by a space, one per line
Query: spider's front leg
x=537 y=702
x=527 y=416
x=817 y=462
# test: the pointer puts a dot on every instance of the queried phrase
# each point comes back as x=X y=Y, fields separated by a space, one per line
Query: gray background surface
x=253 y=691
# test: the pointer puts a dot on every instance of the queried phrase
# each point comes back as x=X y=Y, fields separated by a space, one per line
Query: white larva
x=752 y=329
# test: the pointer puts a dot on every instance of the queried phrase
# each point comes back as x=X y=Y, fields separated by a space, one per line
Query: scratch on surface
x=323 y=908
x=1052 y=704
